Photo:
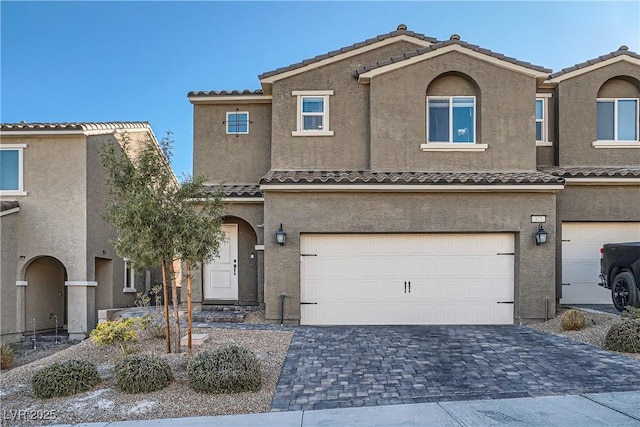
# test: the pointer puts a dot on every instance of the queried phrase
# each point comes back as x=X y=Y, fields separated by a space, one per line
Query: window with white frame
x=451 y=119
x=540 y=120
x=617 y=119
x=312 y=113
x=11 y=169
x=237 y=122
x=129 y=277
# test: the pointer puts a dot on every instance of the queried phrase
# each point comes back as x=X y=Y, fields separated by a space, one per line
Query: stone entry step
x=196 y=339
x=210 y=316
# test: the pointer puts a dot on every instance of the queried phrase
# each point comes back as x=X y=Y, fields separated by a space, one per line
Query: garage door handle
x=409 y=286
x=308 y=303
x=505 y=302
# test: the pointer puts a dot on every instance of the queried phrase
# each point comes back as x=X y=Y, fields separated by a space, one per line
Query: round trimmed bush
x=572 y=320
x=231 y=369
x=64 y=378
x=142 y=373
x=624 y=337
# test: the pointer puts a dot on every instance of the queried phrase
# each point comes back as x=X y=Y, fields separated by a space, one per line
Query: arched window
x=617 y=111
x=452 y=110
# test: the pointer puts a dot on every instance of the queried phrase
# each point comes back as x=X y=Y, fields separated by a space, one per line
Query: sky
x=72 y=61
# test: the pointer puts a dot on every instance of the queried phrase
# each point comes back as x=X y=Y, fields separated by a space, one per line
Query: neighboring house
x=57 y=259
x=411 y=177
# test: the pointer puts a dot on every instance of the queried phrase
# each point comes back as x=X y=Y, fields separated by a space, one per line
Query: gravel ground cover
x=106 y=403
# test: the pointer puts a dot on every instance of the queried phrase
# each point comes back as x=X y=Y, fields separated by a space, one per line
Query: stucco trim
x=595 y=66
x=410 y=188
x=40 y=132
x=239 y=99
x=602 y=181
x=21 y=283
x=84 y=283
x=9 y=211
x=453 y=147
x=615 y=144
x=271 y=79
x=243 y=199
x=544 y=144
x=366 y=77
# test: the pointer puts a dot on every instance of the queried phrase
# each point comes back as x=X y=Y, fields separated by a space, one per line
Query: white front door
x=581 y=243
x=404 y=279
x=221 y=274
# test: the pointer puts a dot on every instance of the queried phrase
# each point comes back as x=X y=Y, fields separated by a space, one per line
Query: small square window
x=237 y=122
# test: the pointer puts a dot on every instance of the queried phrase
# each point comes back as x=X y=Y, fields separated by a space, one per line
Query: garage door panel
x=359 y=279
x=581 y=243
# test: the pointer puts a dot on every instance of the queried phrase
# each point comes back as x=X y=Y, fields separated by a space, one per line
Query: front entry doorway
x=221 y=274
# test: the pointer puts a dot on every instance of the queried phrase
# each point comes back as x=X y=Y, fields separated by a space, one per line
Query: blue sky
x=136 y=61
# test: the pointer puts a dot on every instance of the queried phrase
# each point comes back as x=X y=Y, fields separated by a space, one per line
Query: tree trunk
x=189 y=322
x=176 y=308
x=165 y=292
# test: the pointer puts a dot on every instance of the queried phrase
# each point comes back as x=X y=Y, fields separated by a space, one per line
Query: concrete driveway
x=338 y=367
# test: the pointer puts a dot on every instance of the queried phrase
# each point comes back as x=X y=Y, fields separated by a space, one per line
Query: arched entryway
x=236 y=267
x=45 y=298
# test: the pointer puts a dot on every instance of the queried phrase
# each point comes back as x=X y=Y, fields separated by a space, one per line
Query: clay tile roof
x=80 y=126
x=623 y=50
x=442 y=44
x=404 y=178
x=226 y=92
x=6 y=205
x=236 y=190
x=593 y=172
x=399 y=32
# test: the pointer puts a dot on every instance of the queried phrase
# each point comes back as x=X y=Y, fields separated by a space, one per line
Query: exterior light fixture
x=281 y=236
x=541 y=235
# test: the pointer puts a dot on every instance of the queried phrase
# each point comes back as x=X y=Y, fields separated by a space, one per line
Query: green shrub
x=115 y=332
x=7 y=356
x=142 y=373
x=572 y=320
x=231 y=369
x=64 y=378
x=624 y=337
x=631 y=313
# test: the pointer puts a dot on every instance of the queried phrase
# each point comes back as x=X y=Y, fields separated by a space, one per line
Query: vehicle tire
x=624 y=291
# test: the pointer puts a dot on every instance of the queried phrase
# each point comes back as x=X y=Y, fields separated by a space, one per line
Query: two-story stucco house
x=418 y=181
x=57 y=258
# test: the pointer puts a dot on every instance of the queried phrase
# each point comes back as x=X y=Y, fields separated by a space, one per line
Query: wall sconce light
x=281 y=236
x=541 y=235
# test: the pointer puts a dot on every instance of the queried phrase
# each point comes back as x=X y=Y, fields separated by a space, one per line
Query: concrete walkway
x=593 y=410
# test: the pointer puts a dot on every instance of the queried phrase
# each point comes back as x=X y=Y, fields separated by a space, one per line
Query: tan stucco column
x=21 y=309
x=81 y=302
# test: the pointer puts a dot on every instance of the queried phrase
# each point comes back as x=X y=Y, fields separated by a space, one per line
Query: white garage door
x=402 y=279
x=581 y=243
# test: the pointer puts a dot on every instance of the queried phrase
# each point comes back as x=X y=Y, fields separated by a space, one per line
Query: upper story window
x=237 y=122
x=312 y=113
x=451 y=119
x=11 y=170
x=617 y=119
x=540 y=136
x=542 y=120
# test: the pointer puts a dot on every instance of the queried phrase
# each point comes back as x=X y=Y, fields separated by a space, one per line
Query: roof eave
x=231 y=99
x=561 y=76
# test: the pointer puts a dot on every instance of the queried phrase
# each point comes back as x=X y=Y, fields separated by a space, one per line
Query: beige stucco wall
x=408 y=213
x=577 y=117
x=8 y=260
x=226 y=158
x=53 y=213
x=505 y=117
x=349 y=147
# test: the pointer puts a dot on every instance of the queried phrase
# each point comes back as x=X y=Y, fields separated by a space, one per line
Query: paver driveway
x=336 y=367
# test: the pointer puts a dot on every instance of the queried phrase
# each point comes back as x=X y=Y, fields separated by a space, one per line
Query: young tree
x=152 y=212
